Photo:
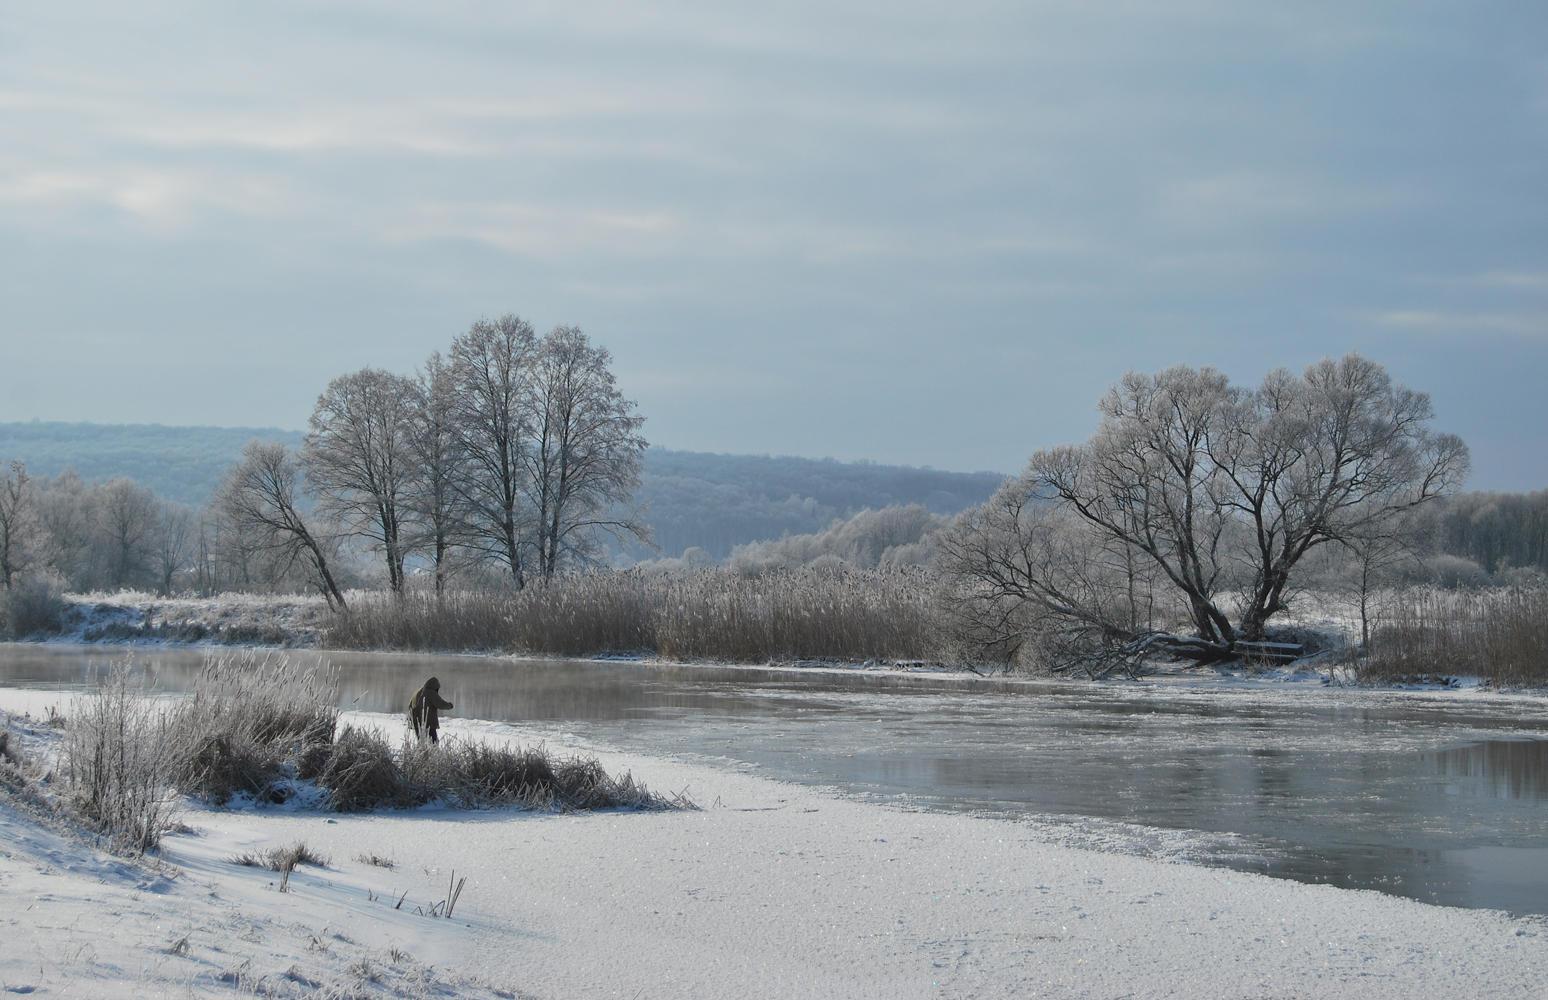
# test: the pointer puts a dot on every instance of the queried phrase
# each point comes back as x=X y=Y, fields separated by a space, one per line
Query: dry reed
x=281 y=859
x=116 y=759
x=714 y=614
x=1499 y=635
x=365 y=773
x=249 y=724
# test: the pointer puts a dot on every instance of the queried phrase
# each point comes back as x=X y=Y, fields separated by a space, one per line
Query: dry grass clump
x=31 y=607
x=713 y=613
x=798 y=614
x=569 y=616
x=282 y=859
x=250 y=723
x=13 y=763
x=116 y=760
x=1500 y=635
x=361 y=773
x=365 y=773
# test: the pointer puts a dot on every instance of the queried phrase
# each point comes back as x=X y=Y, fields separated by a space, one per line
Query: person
x=424 y=710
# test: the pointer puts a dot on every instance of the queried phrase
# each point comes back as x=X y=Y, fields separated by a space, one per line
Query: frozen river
x=1441 y=795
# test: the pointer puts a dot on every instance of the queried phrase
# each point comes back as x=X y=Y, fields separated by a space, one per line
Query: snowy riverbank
x=769 y=890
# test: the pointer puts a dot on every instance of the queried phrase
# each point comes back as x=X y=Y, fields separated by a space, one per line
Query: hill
x=180 y=463
x=715 y=502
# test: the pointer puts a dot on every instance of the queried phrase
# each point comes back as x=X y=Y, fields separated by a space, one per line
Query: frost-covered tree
x=174 y=544
x=125 y=517
x=360 y=460
x=584 y=453
x=1205 y=494
x=433 y=437
x=491 y=369
x=20 y=527
x=65 y=510
x=258 y=498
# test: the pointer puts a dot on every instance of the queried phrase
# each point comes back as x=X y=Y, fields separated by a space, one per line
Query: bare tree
x=125 y=515
x=20 y=527
x=492 y=382
x=66 y=515
x=360 y=461
x=1221 y=493
x=433 y=496
x=584 y=458
x=174 y=544
x=1024 y=575
x=258 y=495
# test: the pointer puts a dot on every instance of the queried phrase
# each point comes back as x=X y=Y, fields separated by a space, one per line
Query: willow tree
x=1206 y=495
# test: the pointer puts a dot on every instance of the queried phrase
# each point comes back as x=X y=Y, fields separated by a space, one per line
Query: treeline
x=1498 y=532
x=103 y=536
x=508 y=458
x=61 y=533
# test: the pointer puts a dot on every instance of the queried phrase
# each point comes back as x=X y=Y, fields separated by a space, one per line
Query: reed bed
x=714 y=614
x=262 y=727
x=1497 y=634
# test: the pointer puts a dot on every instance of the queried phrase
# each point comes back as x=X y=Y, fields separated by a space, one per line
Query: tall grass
x=249 y=723
x=704 y=614
x=365 y=773
x=1500 y=635
x=116 y=760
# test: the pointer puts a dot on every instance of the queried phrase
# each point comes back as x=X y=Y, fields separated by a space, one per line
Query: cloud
x=1527 y=325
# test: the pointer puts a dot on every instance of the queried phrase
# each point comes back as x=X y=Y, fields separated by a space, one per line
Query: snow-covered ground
x=229 y=619
x=768 y=890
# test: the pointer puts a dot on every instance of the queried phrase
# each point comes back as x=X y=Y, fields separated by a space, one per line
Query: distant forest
x=692 y=499
x=182 y=464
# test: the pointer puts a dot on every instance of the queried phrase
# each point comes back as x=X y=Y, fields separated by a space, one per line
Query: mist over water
x=1439 y=796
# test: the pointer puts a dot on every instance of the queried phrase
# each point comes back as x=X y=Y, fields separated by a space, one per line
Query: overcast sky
x=924 y=233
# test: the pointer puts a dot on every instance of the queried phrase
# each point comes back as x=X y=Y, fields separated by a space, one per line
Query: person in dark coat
x=424 y=709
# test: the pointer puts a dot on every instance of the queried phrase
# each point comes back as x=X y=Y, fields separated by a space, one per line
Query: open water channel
x=1437 y=795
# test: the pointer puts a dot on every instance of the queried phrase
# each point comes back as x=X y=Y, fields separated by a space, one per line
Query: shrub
x=249 y=723
x=116 y=761
x=31 y=608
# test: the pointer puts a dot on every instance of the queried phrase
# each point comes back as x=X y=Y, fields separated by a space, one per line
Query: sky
x=916 y=233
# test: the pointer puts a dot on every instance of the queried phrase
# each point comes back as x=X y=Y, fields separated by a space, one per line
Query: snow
x=768 y=890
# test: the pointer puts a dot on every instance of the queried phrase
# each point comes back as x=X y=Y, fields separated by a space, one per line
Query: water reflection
x=1504 y=769
x=1435 y=796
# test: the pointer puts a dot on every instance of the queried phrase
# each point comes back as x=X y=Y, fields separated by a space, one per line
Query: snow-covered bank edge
x=772 y=890
x=300 y=622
